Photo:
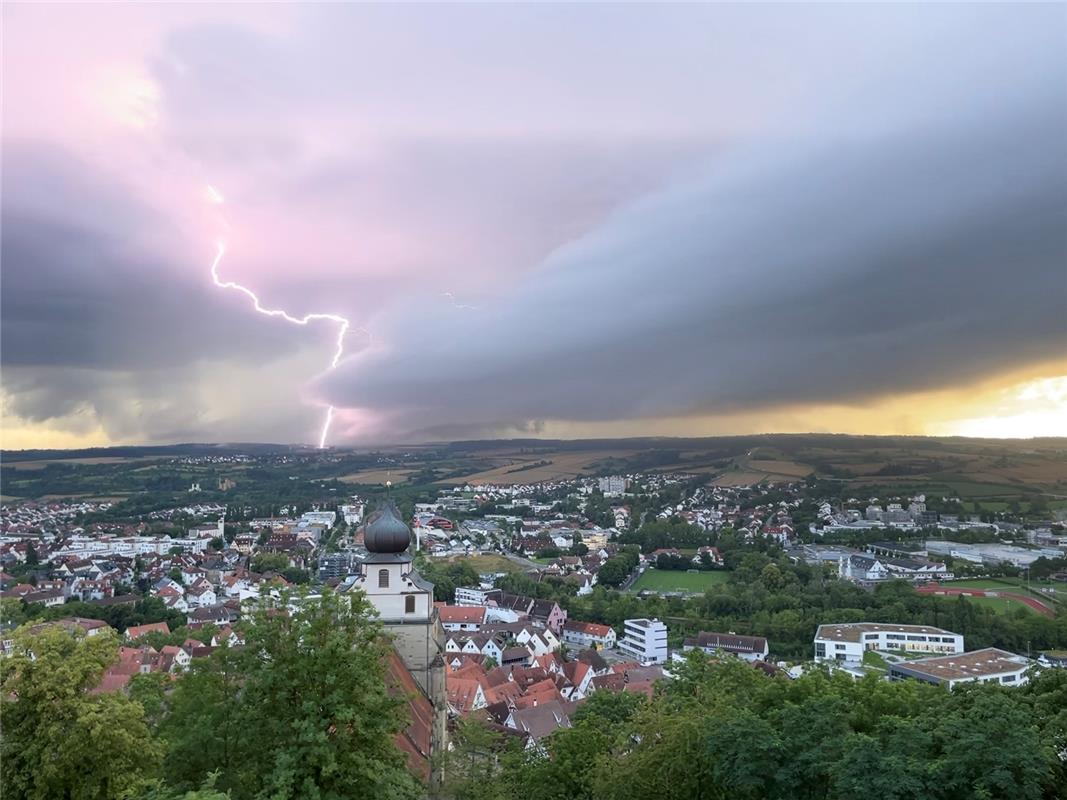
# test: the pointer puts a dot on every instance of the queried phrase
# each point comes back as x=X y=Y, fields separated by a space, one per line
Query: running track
x=1033 y=602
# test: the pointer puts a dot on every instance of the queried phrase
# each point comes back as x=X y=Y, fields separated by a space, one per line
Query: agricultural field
x=45 y=462
x=538 y=467
x=669 y=580
x=377 y=476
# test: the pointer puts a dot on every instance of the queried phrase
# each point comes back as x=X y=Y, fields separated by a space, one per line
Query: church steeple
x=387 y=533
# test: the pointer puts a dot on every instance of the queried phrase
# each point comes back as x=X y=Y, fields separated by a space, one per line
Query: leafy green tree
x=302 y=710
x=58 y=739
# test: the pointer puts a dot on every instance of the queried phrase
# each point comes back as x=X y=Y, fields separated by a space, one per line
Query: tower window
x=383 y=579
x=409 y=604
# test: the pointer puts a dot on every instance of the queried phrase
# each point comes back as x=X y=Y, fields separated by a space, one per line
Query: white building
x=476 y=596
x=990 y=665
x=613 y=485
x=327 y=518
x=848 y=642
x=588 y=635
x=352 y=514
x=645 y=640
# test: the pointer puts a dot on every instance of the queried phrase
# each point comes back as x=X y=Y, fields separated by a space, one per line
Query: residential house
x=589 y=635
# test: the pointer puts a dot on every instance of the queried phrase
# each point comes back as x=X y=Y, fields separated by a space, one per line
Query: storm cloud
x=913 y=258
x=531 y=214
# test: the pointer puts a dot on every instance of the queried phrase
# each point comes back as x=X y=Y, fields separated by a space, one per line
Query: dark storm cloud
x=79 y=292
x=914 y=257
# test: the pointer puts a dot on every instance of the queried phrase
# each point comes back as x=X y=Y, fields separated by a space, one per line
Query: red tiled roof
x=462 y=692
x=462 y=614
x=136 y=631
x=588 y=628
x=417 y=738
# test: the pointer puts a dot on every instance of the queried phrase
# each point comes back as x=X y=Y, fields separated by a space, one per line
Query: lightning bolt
x=452 y=299
x=342 y=323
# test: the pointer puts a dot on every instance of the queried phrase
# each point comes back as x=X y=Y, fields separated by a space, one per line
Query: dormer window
x=383 y=579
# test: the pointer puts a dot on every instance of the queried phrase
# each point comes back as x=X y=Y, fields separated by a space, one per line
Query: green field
x=1003 y=605
x=1017 y=585
x=669 y=580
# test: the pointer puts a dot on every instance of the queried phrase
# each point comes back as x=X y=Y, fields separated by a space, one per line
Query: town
x=522 y=602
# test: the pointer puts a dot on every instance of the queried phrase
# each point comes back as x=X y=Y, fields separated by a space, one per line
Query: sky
x=530 y=220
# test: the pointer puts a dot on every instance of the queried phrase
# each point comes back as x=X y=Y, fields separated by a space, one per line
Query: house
x=645 y=640
x=46 y=598
x=541 y=720
x=137 y=631
x=750 y=648
x=174 y=658
x=713 y=556
x=461 y=618
x=990 y=665
x=538 y=642
x=849 y=641
x=200 y=593
x=173 y=599
x=580 y=677
x=514 y=656
x=483 y=643
x=589 y=635
x=464 y=694
x=549 y=614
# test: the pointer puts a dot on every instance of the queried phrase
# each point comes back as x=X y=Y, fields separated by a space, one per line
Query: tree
x=217 y=543
x=59 y=740
x=302 y=710
x=31 y=555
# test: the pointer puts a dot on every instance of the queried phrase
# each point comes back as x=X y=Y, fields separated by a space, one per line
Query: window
x=409 y=604
x=383 y=579
x=1008 y=679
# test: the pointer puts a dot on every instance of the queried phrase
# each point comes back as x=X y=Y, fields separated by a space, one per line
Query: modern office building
x=645 y=640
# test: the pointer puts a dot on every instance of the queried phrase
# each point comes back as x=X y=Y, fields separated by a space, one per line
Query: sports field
x=670 y=580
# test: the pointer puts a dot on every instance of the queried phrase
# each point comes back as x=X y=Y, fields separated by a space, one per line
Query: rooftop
x=853 y=631
x=976 y=664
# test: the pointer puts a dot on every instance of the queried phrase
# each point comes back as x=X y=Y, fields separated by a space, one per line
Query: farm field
x=739 y=478
x=669 y=580
x=561 y=466
x=41 y=464
x=377 y=476
x=789 y=469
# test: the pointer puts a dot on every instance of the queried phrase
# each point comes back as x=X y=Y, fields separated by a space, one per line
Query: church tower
x=404 y=600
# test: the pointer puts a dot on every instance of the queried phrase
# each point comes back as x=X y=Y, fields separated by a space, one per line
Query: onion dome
x=387 y=533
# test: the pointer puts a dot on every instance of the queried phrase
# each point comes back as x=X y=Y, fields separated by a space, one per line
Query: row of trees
x=302 y=710
x=768 y=595
x=726 y=730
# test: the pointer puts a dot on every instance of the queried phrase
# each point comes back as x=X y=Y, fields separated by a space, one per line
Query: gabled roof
x=136 y=631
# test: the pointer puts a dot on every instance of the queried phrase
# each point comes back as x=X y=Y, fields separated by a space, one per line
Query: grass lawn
x=1003 y=605
x=1004 y=585
x=489 y=562
x=671 y=580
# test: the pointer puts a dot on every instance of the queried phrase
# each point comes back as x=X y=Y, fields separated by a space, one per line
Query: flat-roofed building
x=848 y=641
x=991 y=665
x=645 y=640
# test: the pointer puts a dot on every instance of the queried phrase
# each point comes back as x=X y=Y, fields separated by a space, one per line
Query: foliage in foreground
x=301 y=710
x=725 y=730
